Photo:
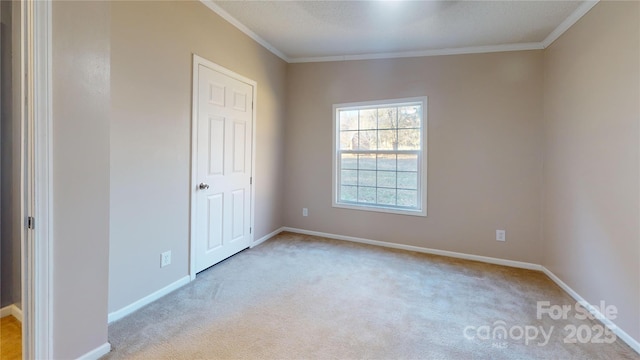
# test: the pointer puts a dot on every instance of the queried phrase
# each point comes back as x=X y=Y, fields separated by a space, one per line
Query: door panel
x=216 y=145
x=215 y=214
x=237 y=222
x=240 y=101
x=223 y=159
x=239 y=146
x=216 y=93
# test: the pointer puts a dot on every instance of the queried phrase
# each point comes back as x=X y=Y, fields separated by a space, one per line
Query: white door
x=223 y=166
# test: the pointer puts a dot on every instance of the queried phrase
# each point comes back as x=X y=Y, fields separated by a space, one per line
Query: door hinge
x=250 y=230
x=251 y=180
x=31 y=222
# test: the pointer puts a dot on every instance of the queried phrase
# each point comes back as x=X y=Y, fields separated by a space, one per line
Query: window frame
x=422 y=157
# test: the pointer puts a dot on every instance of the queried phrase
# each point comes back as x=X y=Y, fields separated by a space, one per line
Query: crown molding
x=553 y=36
x=233 y=21
x=581 y=11
x=435 y=52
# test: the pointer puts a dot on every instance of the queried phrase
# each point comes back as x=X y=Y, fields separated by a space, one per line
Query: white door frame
x=37 y=285
x=197 y=60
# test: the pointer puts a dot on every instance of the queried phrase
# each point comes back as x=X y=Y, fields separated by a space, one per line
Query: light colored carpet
x=304 y=297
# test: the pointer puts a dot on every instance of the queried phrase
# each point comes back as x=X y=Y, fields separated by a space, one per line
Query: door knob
x=203 y=186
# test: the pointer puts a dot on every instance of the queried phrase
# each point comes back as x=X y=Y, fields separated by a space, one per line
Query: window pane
x=386 y=196
x=347 y=140
x=379 y=151
x=387 y=162
x=355 y=142
x=348 y=119
x=367 y=162
x=366 y=178
x=408 y=180
x=367 y=140
x=349 y=177
x=409 y=116
x=408 y=198
x=349 y=193
x=387 y=179
x=408 y=162
x=387 y=118
x=409 y=139
x=367 y=195
x=349 y=161
x=368 y=119
x=387 y=140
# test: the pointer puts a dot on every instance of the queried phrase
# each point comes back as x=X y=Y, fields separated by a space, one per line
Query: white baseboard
x=267 y=237
x=621 y=334
x=116 y=315
x=453 y=254
x=12 y=309
x=119 y=314
x=96 y=353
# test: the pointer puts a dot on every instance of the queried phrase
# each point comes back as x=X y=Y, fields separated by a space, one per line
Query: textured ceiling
x=317 y=29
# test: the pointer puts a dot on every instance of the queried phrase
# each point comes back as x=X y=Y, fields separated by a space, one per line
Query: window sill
x=421 y=213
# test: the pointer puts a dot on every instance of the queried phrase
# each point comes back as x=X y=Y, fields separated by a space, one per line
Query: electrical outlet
x=165 y=258
x=305 y=212
x=501 y=235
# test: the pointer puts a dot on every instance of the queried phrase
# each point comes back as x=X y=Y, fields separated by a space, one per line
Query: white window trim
x=422 y=158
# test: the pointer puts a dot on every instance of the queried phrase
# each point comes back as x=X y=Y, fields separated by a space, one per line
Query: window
x=380 y=156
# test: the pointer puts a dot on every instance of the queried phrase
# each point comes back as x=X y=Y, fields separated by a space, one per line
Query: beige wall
x=152 y=46
x=80 y=176
x=484 y=149
x=121 y=164
x=592 y=114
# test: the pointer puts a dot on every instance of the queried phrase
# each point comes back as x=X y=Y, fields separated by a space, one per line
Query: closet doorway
x=25 y=174
x=12 y=180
